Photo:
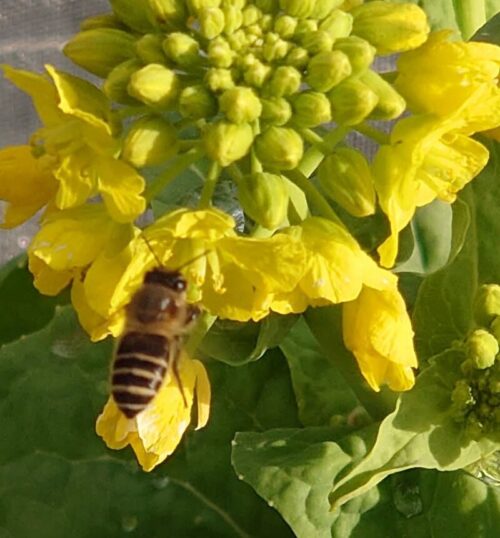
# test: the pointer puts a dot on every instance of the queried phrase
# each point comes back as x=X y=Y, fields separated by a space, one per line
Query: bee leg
x=175 y=370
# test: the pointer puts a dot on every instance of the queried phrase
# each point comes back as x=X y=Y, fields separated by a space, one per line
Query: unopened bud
x=167 y=11
x=297 y=57
x=220 y=53
x=197 y=102
x=100 y=50
x=285 y=26
x=181 y=48
x=104 y=20
x=267 y=6
x=150 y=141
x=391 y=27
x=116 y=84
x=323 y=8
x=240 y=105
x=238 y=40
x=233 y=18
x=390 y=104
x=257 y=74
x=196 y=5
x=482 y=348
x=149 y=48
x=212 y=22
x=360 y=53
x=338 y=24
x=155 y=85
x=133 y=14
x=264 y=198
x=462 y=398
x=298 y=8
x=311 y=109
x=305 y=26
x=318 y=41
x=251 y=15
x=352 y=101
x=276 y=110
x=219 y=79
x=279 y=148
x=345 y=177
x=226 y=142
x=487 y=304
x=327 y=69
x=274 y=49
x=284 y=81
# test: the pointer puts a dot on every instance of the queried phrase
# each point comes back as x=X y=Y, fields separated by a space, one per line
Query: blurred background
x=32 y=33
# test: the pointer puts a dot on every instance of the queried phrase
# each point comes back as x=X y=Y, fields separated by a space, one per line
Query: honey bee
x=157 y=319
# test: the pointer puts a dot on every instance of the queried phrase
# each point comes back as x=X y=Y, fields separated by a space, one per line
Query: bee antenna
x=204 y=253
x=146 y=240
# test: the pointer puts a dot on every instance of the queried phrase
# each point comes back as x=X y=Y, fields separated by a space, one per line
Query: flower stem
x=209 y=187
x=178 y=164
x=369 y=131
x=313 y=156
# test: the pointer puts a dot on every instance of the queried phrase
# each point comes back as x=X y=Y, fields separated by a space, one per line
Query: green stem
x=315 y=199
x=235 y=173
x=209 y=187
x=369 y=131
x=178 y=164
x=471 y=15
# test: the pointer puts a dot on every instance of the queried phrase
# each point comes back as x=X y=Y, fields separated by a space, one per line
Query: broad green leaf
x=322 y=395
x=490 y=32
x=57 y=478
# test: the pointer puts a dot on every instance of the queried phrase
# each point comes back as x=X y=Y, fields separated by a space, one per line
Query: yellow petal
x=114 y=427
x=76 y=182
x=203 y=394
x=47 y=280
x=95 y=325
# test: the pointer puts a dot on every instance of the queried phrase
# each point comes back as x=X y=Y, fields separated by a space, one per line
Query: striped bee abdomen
x=138 y=370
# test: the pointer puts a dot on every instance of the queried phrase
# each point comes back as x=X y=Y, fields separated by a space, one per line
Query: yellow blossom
x=155 y=432
x=78 y=145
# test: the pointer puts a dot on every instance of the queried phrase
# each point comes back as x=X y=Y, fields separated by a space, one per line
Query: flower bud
x=155 y=85
x=285 y=26
x=311 y=109
x=212 y=22
x=220 y=53
x=240 y=105
x=390 y=104
x=462 y=397
x=116 y=83
x=264 y=198
x=167 y=11
x=390 y=27
x=150 y=141
x=482 y=348
x=352 y=101
x=487 y=304
x=133 y=14
x=360 y=53
x=181 y=48
x=219 y=79
x=276 y=110
x=267 y=6
x=238 y=40
x=327 y=69
x=318 y=41
x=257 y=74
x=197 y=102
x=233 y=18
x=150 y=50
x=297 y=57
x=284 y=81
x=338 y=24
x=226 y=142
x=304 y=26
x=274 y=48
x=279 y=148
x=323 y=8
x=196 y=5
x=100 y=50
x=298 y=8
x=104 y=20
x=345 y=177
x=251 y=15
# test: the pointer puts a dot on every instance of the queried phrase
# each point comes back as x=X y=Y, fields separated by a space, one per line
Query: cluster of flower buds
x=253 y=77
x=476 y=397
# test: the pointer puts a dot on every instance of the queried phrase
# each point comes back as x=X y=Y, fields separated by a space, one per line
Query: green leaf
x=490 y=32
x=322 y=395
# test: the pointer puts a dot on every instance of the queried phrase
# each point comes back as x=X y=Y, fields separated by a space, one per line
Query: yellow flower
x=155 y=432
x=377 y=329
x=78 y=145
x=24 y=183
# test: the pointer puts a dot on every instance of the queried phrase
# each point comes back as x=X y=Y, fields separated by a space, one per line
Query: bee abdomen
x=138 y=371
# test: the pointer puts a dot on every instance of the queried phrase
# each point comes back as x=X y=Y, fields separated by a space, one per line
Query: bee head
x=172 y=280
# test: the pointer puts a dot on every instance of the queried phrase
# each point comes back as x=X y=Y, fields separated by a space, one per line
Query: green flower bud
x=285 y=80
x=181 y=48
x=298 y=8
x=150 y=50
x=352 y=101
x=462 y=395
x=276 y=110
x=233 y=18
x=318 y=41
x=133 y=14
x=104 y=20
x=345 y=177
x=481 y=348
x=212 y=22
x=473 y=427
x=266 y=22
x=297 y=57
x=167 y=11
x=257 y=74
x=305 y=26
x=197 y=102
x=150 y=141
x=100 y=50
x=390 y=104
x=226 y=142
x=264 y=198
x=267 y=6
x=238 y=40
x=311 y=109
x=285 y=26
x=327 y=69
x=196 y=5
x=240 y=105
x=219 y=79
x=323 y=8
x=338 y=24
x=155 y=85
x=391 y=27
x=251 y=15
x=220 y=53
x=279 y=148
x=274 y=48
x=116 y=83
x=487 y=304
x=360 y=53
